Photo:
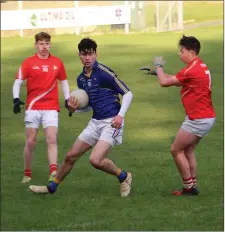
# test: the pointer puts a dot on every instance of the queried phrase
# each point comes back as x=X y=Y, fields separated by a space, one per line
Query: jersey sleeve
x=113 y=82
x=62 y=72
x=181 y=77
x=23 y=71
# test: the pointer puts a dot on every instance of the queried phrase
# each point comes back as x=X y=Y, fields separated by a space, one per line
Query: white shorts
x=33 y=118
x=199 y=127
x=101 y=130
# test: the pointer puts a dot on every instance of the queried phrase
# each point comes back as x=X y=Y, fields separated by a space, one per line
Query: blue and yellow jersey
x=103 y=88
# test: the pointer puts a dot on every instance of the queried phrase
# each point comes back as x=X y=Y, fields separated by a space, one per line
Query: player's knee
x=71 y=157
x=51 y=140
x=95 y=161
x=30 y=142
x=174 y=151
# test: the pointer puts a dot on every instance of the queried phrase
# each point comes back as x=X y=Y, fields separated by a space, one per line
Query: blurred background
x=144 y=16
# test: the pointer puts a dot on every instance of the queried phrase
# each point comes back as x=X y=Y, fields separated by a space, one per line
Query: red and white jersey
x=42 y=77
x=196 y=90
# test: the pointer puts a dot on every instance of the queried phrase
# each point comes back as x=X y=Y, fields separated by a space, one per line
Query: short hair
x=42 y=36
x=190 y=43
x=87 y=44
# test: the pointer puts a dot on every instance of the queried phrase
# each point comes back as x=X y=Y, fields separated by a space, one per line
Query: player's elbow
x=128 y=95
x=131 y=95
x=163 y=83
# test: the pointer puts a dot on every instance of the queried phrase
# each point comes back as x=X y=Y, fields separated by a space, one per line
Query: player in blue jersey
x=105 y=129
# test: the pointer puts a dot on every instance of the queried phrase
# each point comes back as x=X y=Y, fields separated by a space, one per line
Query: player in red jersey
x=195 y=83
x=41 y=72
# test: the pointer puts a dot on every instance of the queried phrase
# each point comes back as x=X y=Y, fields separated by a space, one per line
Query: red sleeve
x=62 y=72
x=23 y=71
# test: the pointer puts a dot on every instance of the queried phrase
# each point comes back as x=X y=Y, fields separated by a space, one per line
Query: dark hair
x=42 y=36
x=87 y=44
x=190 y=43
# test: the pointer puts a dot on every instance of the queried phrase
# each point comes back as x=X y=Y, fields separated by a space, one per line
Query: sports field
x=89 y=199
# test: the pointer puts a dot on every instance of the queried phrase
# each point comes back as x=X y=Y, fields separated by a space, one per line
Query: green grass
x=89 y=199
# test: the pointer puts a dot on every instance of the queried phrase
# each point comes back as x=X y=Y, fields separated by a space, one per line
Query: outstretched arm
x=165 y=80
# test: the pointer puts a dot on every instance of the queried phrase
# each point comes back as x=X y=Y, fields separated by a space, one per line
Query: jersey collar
x=36 y=55
x=94 y=66
x=195 y=59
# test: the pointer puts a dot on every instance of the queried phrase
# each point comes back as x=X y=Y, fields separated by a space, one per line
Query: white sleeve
x=65 y=89
x=16 y=88
x=127 y=98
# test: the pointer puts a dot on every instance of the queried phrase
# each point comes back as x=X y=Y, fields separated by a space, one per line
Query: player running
x=105 y=128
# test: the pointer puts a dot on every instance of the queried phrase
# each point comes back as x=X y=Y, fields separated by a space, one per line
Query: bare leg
x=78 y=149
x=31 y=136
x=190 y=155
x=99 y=161
x=183 y=141
x=51 y=140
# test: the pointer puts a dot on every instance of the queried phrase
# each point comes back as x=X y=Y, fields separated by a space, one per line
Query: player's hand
x=148 y=70
x=117 y=122
x=66 y=106
x=73 y=104
x=158 y=61
x=66 y=103
x=16 y=105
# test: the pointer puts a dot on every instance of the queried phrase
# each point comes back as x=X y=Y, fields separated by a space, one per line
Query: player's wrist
x=16 y=100
x=66 y=103
x=121 y=115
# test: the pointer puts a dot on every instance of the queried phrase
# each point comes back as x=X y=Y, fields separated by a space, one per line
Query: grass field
x=89 y=199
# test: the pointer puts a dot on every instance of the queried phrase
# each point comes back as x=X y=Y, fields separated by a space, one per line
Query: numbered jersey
x=196 y=90
x=42 y=77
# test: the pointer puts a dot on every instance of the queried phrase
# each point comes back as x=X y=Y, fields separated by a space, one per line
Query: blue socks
x=52 y=186
x=122 y=177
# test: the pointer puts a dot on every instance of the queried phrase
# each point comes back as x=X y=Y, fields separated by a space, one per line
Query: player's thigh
x=49 y=118
x=190 y=149
x=79 y=148
x=100 y=150
x=32 y=119
x=111 y=135
x=51 y=133
x=183 y=140
x=90 y=134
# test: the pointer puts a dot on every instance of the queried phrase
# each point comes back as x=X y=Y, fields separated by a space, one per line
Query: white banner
x=105 y=15
x=64 y=17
